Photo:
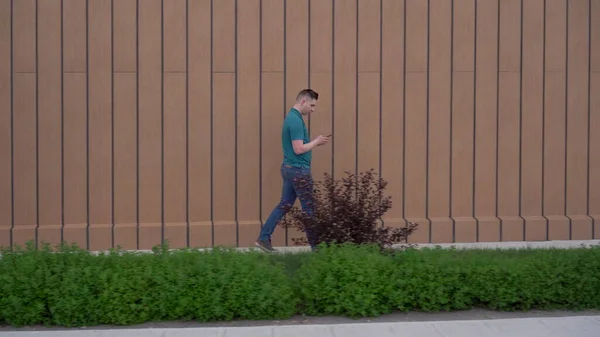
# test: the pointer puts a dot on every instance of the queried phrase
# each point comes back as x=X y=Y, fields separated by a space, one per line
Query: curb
x=552 y=244
x=555 y=244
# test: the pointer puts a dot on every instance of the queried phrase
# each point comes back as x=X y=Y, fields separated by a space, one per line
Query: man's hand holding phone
x=322 y=140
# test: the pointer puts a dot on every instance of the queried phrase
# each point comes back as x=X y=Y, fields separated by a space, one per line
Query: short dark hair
x=307 y=93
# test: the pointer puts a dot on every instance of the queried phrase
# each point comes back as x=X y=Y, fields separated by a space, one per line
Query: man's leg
x=288 y=197
x=303 y=185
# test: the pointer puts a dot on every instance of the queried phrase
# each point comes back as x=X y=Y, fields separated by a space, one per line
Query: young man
x=295 y=169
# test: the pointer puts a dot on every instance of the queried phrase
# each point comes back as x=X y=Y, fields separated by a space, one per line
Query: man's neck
x=298 y=109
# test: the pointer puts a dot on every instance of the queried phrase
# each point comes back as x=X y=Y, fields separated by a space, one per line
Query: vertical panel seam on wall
x=474 y=202
x=112 y=119
x=427 y=123
x=543 y=199
x=12 y=128
x=450 y=204
x=333 y=87
x=521 y=126
x=162 y=121
x=404 y=116
x=589 y=106
x=87 y=119
x=137 y=124
x=308 y=63
x=12 y=131
x=260 y=104
x=187 y=127
x=566 y=166
x=356 y=92
x=62 y=126
x=380 y=97
x=500 y=227
x=285 y=81
x=37 y=121
x=212 y=100
x=284 y=68
x=235 y=97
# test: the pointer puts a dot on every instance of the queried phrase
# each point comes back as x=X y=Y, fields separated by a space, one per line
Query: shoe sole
x=264 y=249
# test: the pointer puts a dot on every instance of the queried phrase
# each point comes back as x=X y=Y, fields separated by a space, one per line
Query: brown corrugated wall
x=126 y=122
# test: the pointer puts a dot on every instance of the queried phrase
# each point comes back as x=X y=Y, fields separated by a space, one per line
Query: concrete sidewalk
x=576 y=326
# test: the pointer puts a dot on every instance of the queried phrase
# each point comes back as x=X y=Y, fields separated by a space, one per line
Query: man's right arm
x=300 y=147
x=297 y=136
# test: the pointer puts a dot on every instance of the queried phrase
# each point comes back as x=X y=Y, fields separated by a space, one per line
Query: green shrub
x=346 y=280
x=78 y=289
x=75 y=288
x=542 y=279
x=430 y=280
x=507 y=280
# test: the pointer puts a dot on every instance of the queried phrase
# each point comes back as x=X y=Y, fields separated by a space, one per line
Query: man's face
x=308 y=106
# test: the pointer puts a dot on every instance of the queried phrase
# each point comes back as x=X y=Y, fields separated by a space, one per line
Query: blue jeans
x=297 y=183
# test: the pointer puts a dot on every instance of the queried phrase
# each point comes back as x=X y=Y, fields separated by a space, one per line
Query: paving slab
x=579 y=326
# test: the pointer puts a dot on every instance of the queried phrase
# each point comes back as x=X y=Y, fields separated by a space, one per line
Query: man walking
x=295 y=169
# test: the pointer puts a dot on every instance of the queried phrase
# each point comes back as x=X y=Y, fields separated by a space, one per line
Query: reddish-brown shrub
x=347 y=210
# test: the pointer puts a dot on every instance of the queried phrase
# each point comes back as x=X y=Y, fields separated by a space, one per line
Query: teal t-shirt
x=294 y=128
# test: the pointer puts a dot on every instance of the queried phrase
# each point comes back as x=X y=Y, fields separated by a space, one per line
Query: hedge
x=76 y=288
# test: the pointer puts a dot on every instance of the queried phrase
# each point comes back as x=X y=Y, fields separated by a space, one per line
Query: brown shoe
x=264 y=245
